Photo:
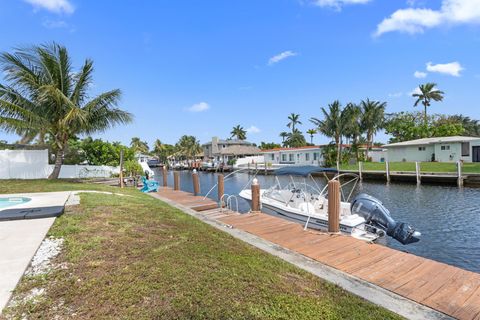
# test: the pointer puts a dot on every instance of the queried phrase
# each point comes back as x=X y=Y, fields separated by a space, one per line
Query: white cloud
x=395 y=94
x=199 y=107
x=338 y=4
x=281 y=56
x=56 y=6
x=54 y=24
x=416 y=90
x=420 y=74
x=253 y=129
x=452 y=68
x=416 y=20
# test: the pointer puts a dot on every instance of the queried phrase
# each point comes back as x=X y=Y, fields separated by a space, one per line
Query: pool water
x=6 y=202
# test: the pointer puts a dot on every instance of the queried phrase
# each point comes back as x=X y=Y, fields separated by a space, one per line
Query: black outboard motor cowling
x=375 y=214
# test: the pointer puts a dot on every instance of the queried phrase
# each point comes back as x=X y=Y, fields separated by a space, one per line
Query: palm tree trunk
x=58 y=164
x=337 y=142
x=369 y=138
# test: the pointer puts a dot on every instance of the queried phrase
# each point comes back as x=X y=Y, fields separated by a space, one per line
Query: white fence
x=241 y=162
x=33 y=164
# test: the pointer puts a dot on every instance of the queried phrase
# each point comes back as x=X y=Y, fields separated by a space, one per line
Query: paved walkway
x=450 y=290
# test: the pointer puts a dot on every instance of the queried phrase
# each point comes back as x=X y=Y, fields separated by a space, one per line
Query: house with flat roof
x=308 y=155
x=223 y=150
x=441 y=149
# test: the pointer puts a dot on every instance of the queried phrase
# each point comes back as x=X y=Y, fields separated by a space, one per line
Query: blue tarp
x=303 y=171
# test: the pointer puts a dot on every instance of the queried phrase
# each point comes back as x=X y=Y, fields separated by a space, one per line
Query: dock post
x=255 y=196
x=417 y=172
x=196 y=183
x=459 y=174
x=176 y=180
x=387 y=170
x=165 y=176
x=333 y=206
x=360 y=167
x=221 y=187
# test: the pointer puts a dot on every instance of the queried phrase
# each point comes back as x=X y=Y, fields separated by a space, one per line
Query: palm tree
x=284 y=135
x=353 y=129
x=373 y=119
x=188 y=146
x=239 y=132
x=294 y=120
x=427 y=92
x=311 y=132
x=332 y=125
x=159 y=149
x=138 y=145
x=46 y=96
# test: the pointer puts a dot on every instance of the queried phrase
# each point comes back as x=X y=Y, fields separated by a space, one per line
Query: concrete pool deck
x=20 y=240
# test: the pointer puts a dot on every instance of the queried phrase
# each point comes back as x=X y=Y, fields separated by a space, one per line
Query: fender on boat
x=375 y=214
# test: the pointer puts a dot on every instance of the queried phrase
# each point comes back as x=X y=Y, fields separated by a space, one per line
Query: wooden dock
x=447 y=289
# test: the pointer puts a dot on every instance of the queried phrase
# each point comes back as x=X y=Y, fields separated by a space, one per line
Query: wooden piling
x=387 y=170
x=176 y=180
x=255 y=196
x=220 y=186
x=165 y=176
x=417 y=172
x=333 y=206
x=360 y=167
x=459 y=174
x=196 y=183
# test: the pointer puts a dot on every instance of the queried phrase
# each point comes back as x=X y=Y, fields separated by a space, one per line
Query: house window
x=445 y=148
x=307 y=156
x=284 y=157
x=465 y=149
x=298 y=156
x=290 y=157
x=421 y=148
x=315 y=156
x=272 y=156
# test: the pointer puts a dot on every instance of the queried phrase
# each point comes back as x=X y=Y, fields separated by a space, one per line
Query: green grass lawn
x=410 y=166
x=138 y=258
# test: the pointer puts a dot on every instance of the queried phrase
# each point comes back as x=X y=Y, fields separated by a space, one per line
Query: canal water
x=448 y=217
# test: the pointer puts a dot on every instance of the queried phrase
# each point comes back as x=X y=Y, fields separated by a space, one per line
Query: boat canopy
x=303 y=171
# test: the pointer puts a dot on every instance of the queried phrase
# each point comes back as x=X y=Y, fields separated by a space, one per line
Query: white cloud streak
x=417 y=20
x=199 y=107
x=420 y=74
x=253 y=129
x=338 y=4
x=452 y=68
x=55 y=6
x=281 y=56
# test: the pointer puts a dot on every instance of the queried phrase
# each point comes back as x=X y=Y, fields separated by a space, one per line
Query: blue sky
x=201 y=67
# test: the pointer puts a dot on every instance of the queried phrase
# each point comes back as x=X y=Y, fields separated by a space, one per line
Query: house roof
x=229 y=142
x=425 y=141
x=290 y=149
x=237 y=150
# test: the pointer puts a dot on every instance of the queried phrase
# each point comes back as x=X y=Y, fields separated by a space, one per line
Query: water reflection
x=448 y=217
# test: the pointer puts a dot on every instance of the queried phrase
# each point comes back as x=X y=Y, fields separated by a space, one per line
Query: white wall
x=410 y=153
x=294 y=157
x=33 y=164
x=252 y=159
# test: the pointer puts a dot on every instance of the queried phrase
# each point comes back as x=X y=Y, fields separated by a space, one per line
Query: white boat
x=308 y=204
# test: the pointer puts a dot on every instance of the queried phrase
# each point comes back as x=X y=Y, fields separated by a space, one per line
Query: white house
x=223 y=150
x=309 y=155
x=441 y=149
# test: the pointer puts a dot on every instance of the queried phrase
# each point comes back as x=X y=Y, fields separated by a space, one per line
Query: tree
x=311 y=132
x=99 y=152
x=269 y=145
x=283 y=135
x=332 y=125
x=239 y=133
x=353 y=129
x=45 y=95
x=163 y=150
x=188 y=147
x=294 y=120
x=427 y=93
x=372 y=119
x=296 y=139
x=471 y=127
x=138 y=145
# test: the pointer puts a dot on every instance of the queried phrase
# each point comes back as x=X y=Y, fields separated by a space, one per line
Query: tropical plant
x=188 y=147
x=239 y=133
x=332 y=125
x=295 y=139
x=138 y=145
x=269 y=145
x=132 y=168
x=283 y=135
x=353 y=129
x=372 y=119
x=46 y=96
x=99 y=152
x=294 y=120
x=426 y=93
x=311 y=132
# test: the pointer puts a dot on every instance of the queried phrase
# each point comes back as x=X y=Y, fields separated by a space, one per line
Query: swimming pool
x=6 y=202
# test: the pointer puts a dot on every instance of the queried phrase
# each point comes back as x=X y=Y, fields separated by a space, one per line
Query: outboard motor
x=375 y=214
